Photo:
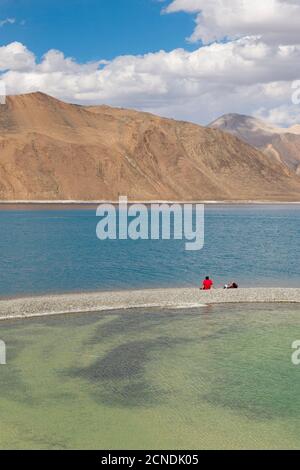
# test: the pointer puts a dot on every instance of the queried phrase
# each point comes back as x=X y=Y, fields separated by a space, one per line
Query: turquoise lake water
x=218 y=377
x=57 y=251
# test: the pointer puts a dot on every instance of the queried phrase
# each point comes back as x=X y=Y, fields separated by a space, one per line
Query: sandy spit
x=168 y=298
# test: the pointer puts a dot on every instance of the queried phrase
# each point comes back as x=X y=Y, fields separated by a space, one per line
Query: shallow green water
x=215 y=377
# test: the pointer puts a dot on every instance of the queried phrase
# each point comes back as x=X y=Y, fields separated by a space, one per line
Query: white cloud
x=15 y=56
x=251 y=75
x=277 y=21
x=289 y=115
x=7 y=21
x=241 y=75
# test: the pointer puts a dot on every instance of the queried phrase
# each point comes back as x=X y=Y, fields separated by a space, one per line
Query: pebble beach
x=18 y=308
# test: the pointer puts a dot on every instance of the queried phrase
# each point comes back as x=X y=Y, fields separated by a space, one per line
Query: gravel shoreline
x=169 y=298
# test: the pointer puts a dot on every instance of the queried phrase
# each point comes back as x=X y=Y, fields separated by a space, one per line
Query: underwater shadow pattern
x=119 y=377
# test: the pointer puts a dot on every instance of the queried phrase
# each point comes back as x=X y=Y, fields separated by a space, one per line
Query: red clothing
x=207 y=284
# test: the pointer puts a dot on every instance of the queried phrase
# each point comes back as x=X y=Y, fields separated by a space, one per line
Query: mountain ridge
x=52 y=150
x=282 y=144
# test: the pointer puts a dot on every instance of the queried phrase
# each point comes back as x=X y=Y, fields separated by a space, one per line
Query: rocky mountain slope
x=51 y=150
x=282 y=144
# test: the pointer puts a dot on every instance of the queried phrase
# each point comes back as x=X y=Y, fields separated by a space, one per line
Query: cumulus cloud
x=192 y=85
x=250 y=73
x=277 y=21
x=287 y=114
x=15 y=56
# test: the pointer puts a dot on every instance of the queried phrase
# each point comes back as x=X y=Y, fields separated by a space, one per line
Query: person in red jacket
x=207 y=284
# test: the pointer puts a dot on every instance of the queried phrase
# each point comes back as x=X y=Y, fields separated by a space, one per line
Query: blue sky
x=95 y=29
x=127 y=53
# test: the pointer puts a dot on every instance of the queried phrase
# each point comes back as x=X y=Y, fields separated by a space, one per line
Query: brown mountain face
x=282 y=144
x=50 y=150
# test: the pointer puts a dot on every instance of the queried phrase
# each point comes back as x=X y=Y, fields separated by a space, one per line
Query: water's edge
x=184 y=298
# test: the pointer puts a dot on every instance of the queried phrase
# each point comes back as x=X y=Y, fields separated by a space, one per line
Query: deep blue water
x=58 y=251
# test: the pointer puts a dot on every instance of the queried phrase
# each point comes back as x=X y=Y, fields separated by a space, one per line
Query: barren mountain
x=54 y=150
x=280 y=143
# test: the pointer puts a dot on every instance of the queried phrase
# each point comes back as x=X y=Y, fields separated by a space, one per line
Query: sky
x=186 y=59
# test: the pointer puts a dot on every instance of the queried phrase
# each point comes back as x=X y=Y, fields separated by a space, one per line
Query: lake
x=53 y=251
x=206 y=378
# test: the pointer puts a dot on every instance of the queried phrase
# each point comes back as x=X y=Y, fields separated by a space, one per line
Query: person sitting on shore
x=233 y=285
x=207 y=284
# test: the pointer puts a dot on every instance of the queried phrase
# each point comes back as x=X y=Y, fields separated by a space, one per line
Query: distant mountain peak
x=282 y=144
x=235 y=122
